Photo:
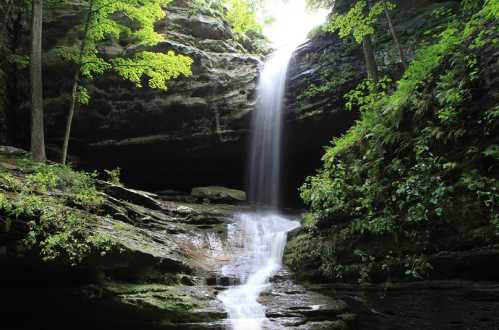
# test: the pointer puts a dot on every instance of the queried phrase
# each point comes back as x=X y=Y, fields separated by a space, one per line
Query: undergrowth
x=57 y=204
x=422 y=160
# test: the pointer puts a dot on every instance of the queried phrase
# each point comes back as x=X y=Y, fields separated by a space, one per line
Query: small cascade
x=261 y=238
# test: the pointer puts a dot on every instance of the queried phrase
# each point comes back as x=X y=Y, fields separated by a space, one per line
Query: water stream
x=258 y=239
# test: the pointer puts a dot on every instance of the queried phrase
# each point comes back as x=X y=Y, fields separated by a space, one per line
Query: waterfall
x=265 y=157
x=259 y=238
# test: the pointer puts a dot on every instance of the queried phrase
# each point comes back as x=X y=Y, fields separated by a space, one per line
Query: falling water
x=261 y=236
x=266 y=134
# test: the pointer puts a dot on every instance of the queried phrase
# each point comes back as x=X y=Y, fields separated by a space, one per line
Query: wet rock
x=292 y=306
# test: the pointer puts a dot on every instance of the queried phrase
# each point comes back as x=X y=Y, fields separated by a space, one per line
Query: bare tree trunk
x=37 y=127
x=394 y=35
x=15 y=31
x=69 y=122
x=372 y=67
x=76 y=83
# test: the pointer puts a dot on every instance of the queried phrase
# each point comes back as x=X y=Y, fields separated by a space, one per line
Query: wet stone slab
x=291 y=306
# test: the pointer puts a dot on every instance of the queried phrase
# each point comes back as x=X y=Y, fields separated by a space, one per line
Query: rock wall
x=179 y=138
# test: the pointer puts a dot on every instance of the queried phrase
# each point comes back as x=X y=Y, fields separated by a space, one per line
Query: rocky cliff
x=181 y=136
x=131 y=261
x=393 y=202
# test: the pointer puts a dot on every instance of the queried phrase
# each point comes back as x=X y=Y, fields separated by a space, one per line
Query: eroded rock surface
x=181 y=135
x=152 y=277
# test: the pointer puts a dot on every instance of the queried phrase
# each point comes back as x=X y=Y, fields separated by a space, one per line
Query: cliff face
x=374 y=216
x=182 y=134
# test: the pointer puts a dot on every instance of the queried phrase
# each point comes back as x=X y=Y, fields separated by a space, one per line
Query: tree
x=387 y=6
x=359 y=22
x=37 y=127
x=108 y=19
x=12 y=59
x=242 y=16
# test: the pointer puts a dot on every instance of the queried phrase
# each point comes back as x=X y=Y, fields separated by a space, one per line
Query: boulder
x=217 y=194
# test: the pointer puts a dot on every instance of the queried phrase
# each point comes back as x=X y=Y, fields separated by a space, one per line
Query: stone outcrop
x=182 y=134
x=219 y=194
x=154 y=277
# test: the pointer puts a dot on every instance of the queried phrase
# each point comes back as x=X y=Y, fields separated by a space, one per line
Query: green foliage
x=54 y=201
x=114 y=176
x=314 y=91
x=306 y=254
x=158 y=67
x=367 y=94
x=83 y=96
x=79 y=187
x=358 y=21
x=242 y=16
x=422 y=158
x=132 y=21
x=417 y=267
x=9 y=182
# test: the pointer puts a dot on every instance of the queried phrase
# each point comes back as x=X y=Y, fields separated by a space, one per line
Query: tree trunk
x=69 y=122
x=394 y=35
x=76 y=83
x=37 y=127
x=15 y=31
x=372 y=67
